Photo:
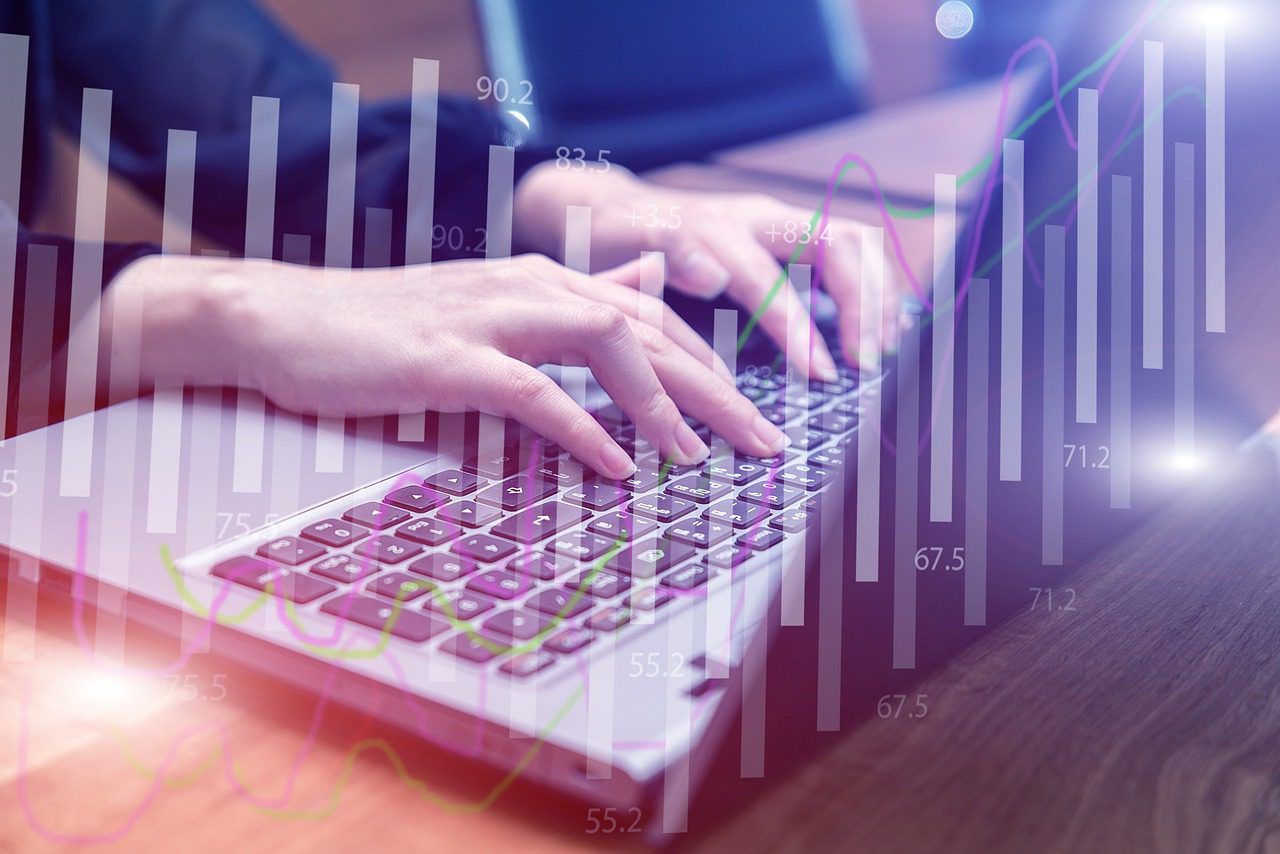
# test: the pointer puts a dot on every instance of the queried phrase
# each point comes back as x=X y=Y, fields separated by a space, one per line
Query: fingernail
x=691 y=445
x=771 y=436
x=704 y=274
x=825 y=367
x=616 y=461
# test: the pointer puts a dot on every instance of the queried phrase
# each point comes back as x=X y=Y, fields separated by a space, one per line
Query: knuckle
x=527 y=387
x=661 y=408
x=603 y=321
x=655 y=343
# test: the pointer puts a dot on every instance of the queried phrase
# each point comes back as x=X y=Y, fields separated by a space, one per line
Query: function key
x=621 y=525
x=664 y=508
x=699 y=532
x=474 y=648
x=442 y=567
x=699 y=487
x=455 y=482
x=773 y=495
x=687 y=577
x=516 y=624
x=469 y=514
x=483 y=548
x=540 y=566
x=529 y=526
x=429 y=532
x=458 y=605
x=516 y=493
x=376 y=515
x=598 y=584
x=805 y=476
x=739 y=514
x=387 y=549
x=580 y=545
x=597 y=495
x=760 y=538
x=384 y=616
x=419 y=499
x=650 y=557
x=560 y=603
x=342 y=568
x=397 y=585
x=610 y=619
x=334 y=533
x=500 y=584
x=260 y=575
x=290 y=551
x=569 y=640
x=528 y=663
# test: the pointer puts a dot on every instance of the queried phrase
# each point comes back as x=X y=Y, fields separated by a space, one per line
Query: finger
x=692 y=268
x=600 y=336
x=760 y=285
x=651 y=310
x=510 y=388
x=717 y=404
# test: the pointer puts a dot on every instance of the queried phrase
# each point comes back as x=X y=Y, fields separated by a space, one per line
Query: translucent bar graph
x=86 y=290
x=1011 y=314
x=13 y=82
x=1215 y=178
x=724 y=340
x=1087 y=260
x=1055 y=299
x=577 y=238
x=1121 y=339
x=790 y=558
x=1153 y=207
x=942 y=430
x=1184 y=299
x=502 y=164
x=906 y=505
x=367 y=464
x=977 y=452
x=870 y=298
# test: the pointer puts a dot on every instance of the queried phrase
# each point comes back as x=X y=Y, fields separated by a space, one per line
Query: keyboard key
x=473 y=648
x=760 y=538
x=455 y=482
x=569 y=640
x=375 y=515
x=688 y=577
x=580 y=546
x=737 y=472
x=388 y=549
x=384 y=616
x=443 y=567
x=755 y=394
x=833 y=422
x=543 y=520
x=540 y=566
x=469 y=514
x=621 y=525
x=290 y=551
x=528 y=663
x=564 y=472
x=598 y=584
x=483 y=548
x=560 y=603
x=610 y=619
x=831 y=457
x=516 y=624
x=334 y=533
x=500 y=584
x=516 y=493
x=850 y=407
x=729 y=555
x=796 y=519
x=765 y=378
x=650 y=557
x=773 y=495
x=650 y=598
x=779 y=413
x=343 y=569
x=429 y=532
x=702 y=533
x=699 y=488
x=739 y=514
x=804 y=476
x=499 y=465
x=397 y=585
x=260 y=575
x=418 y=499
x=805 y=440
x=597 y=495
x=457 y=605
x=664 y=508
x=645 y=477
x=771 y=462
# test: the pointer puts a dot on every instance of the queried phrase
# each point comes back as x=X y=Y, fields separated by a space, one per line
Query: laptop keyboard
x=518 y=561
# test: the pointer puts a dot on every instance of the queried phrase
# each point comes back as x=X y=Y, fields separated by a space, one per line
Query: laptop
x=621 y=642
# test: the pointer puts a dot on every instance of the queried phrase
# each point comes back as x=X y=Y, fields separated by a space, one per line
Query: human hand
x=451 y=336
x=714 y=242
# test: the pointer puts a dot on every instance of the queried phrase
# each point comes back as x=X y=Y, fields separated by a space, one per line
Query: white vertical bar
x=600 y=711
x=1087 y=260
x=942 y=441
x=724 y=340
x=867 y=559
x=1121 y=337
x=339 y=232
x=166 y=406
x=1184 y=296
x=367 y=464
x=977 y=450
x=86 y=292
x=13 y=106
x=1055 y=297
x=1215 y=178
x=653 y=277
x=906 y=506
x=577 y=238
x=420 y=207
x=502 y=166
x=259 y=240
x=1011 y=314
x=792 y=552
x=1153 y=207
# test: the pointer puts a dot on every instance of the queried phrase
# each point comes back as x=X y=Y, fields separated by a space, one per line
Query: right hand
x=466 y=335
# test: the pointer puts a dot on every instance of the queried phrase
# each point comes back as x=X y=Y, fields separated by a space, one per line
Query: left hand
x=713 y=243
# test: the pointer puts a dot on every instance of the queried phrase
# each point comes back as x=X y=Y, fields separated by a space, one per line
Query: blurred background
x=900 y=53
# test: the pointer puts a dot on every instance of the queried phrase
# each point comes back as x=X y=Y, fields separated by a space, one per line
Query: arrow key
x=483 y=548
x=516 y=493
x=454 y=482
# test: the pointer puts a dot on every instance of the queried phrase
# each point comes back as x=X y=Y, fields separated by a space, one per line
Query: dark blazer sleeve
x=197 y=64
